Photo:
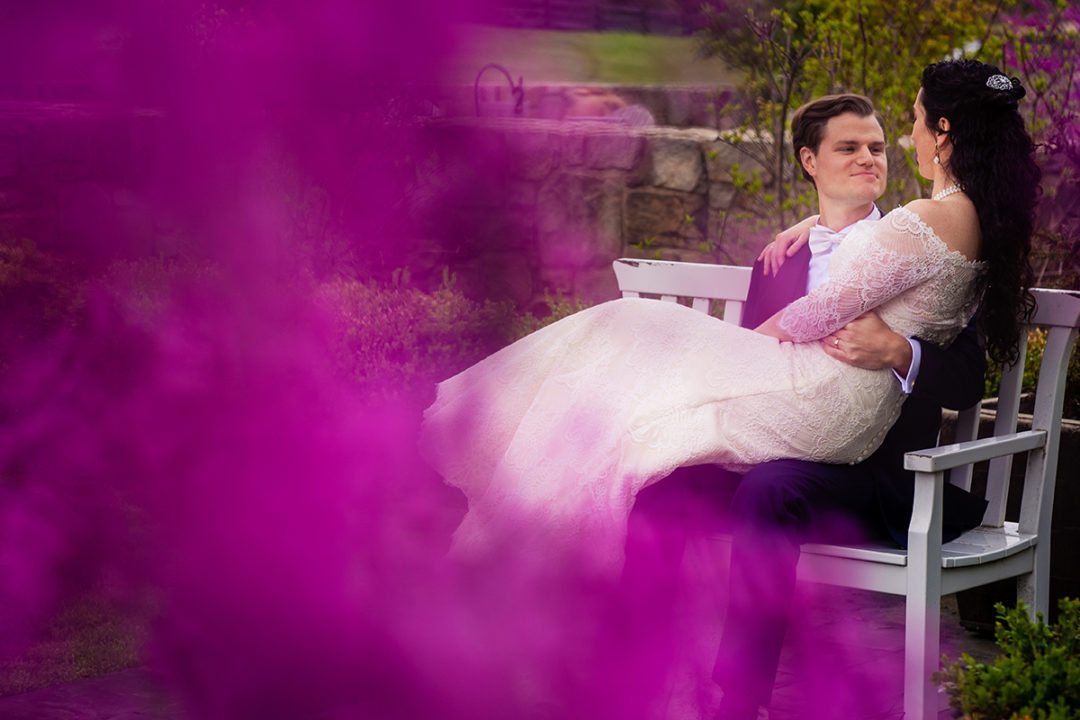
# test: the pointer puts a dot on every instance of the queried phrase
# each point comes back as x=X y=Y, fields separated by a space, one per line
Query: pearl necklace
x=946 y=192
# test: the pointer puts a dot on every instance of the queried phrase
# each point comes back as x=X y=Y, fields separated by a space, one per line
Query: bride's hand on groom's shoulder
x=785 y=244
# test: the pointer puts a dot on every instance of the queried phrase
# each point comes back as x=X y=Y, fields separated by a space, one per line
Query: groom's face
x=849 y=166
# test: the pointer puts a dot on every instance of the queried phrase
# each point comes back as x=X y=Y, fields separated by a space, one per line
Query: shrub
x=1032 y=365
x=558 y=308
x=39 y=293
x=1038 y=676
x=145 y=287
x=397 y=341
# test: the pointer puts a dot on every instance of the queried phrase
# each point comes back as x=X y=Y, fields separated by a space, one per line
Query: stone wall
x=514 y=207
x=68 y=173
x=571 y=196
x=669 y=106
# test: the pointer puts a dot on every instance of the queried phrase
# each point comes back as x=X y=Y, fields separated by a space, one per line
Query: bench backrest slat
x=967 y=428
x=1037 y=502
x=1008 y=407
x=697 y=282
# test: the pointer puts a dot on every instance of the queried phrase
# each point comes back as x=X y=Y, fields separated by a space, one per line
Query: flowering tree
x=1042 y=46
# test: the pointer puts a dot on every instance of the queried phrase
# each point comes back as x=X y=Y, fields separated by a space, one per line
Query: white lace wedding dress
x=551 y=438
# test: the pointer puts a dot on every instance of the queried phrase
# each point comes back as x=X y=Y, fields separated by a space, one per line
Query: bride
x=551 y=438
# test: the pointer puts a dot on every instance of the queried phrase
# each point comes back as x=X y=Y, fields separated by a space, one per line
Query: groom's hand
x=867 y=342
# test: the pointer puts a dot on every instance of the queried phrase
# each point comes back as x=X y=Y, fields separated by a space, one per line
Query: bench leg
x=1034 y=587
x=922 y=629
x=921 y=652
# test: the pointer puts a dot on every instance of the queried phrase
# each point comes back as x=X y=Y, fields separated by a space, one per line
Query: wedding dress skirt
x=563 y=428
x=551 y=438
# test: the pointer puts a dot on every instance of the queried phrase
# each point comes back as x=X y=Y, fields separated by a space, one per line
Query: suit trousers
x=770 y=512
x=776 y=508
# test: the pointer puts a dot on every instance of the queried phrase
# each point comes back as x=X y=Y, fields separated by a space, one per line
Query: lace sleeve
x=897 y=257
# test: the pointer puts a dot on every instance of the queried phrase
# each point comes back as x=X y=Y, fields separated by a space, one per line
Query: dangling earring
x=937 y=156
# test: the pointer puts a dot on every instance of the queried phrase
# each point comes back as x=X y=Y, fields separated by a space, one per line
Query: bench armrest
x=951 y=456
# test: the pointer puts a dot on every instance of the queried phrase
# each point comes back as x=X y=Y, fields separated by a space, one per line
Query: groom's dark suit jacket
x=949 y=377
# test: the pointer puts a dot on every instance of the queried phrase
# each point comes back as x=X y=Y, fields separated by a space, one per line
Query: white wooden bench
x=928 y=569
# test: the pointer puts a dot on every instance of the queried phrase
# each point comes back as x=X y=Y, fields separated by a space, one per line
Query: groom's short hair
x=809 y=121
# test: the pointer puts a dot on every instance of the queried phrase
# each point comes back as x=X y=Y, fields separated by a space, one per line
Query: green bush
x=1032 y=365
x=558 y=308
x=146 y=287
x=397 y=341
x=39 y=294
x=1038 y=677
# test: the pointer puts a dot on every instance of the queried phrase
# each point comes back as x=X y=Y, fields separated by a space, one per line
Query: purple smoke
x=190 y=431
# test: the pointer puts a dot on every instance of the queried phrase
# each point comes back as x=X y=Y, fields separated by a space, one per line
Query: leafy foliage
x=1038 y=676
x=772 y=46
x=796 y=51
x=1032 y=365
x=144 y=287
x=397 y=341
x=38 y=295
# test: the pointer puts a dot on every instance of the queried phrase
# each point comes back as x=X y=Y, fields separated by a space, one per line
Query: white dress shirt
x=822 y=242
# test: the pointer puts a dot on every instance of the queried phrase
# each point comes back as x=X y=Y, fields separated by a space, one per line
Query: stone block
x=579 y=219
x=472 y=143
x=721 y=155
x=721 y=194
x=84 y=206
x=522 y=193
x=680 y=107
x=9 y=157
x=12 y=198
x=676 y=162
x=501 y=230
x=534 y=154
x=616 y=149
x=546 y=103
x=656 y=219
x=506 y=275
x=574 y=148
x=596 y=285
x=111 y=153
x=668 y=253
x=655 y=99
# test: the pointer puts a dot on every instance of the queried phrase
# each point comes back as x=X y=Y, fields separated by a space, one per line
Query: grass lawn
x=542 y=56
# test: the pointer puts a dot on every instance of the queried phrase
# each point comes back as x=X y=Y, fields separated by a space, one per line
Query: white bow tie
x=822 y=239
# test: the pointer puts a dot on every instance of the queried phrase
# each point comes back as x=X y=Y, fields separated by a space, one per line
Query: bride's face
x=924 y=140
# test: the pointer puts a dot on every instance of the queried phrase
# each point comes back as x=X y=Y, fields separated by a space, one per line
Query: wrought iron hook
x=518 y=91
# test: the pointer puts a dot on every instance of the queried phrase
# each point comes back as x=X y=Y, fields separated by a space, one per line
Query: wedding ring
x=836 y=342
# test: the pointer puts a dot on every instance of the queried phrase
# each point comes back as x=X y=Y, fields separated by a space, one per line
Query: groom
x=778 y=506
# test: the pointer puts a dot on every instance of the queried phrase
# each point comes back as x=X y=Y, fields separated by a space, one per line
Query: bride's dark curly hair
x=992 y=160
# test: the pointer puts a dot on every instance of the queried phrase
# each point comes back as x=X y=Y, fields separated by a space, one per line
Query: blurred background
x=240 y=242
